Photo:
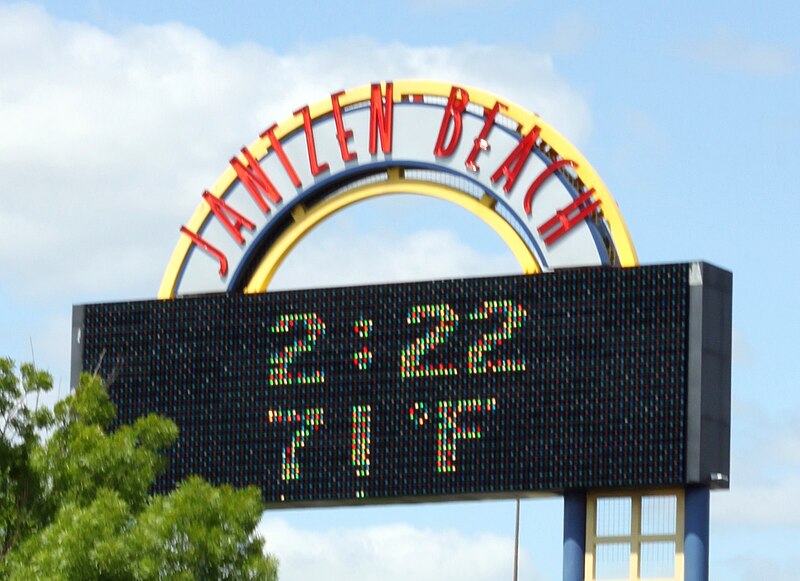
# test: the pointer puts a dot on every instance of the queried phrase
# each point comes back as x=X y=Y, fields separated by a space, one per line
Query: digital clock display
x=463 y=388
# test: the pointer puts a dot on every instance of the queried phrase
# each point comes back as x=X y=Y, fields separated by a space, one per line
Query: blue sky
x=114 y=116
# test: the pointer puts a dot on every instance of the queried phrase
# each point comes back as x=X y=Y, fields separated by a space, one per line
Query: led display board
x=487 y=387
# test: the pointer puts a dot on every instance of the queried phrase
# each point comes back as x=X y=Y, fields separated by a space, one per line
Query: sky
x=115 y=116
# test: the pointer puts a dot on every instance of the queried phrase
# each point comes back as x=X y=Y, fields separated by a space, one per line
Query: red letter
x=255 y=180
x=223 y=262
x=566 y=219
x=312 y=149
x=537 y=183
x=278 y=149
x=455 y=107
x=224 y=213
x=481 y=144
x=380 y=119
x=342 y=134
x=514 y=163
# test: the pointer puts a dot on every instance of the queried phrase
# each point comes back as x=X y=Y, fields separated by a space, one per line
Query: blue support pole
x=574 y=535
x=696 y=522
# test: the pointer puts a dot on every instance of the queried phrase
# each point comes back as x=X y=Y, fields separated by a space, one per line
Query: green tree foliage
x=91 y=515
x=22 y=501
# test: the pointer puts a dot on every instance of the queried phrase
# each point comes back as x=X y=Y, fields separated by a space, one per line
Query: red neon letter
x=203 y=245
x=255 y=180
x=455 y=107
x=342 y=134
x=481 y=143
x=566 y=219
x=514 y=163
x=380 y=119
x=230 y=218
x=278 y=149
x=312 y=148
x=537 y=183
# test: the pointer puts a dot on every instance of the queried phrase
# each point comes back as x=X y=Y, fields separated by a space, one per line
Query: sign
x=580 y=379
x=463 y=145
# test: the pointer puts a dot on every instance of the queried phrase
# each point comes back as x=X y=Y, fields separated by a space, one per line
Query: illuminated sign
x=588 y=377
x=582 y=378
x=463 y=145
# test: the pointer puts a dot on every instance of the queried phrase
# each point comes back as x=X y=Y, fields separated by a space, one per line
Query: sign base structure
x=660 y=534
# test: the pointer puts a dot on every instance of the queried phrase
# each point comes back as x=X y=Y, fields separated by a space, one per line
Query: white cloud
x=109 y=139
x=371 y=259
x=350 y=249
x=765 y=470
x=729 y=51
x=390 y=552
x=758 y=505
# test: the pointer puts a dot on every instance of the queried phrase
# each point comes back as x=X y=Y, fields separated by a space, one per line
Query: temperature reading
x=450 y=418
x=310 y=421
x=361 y=442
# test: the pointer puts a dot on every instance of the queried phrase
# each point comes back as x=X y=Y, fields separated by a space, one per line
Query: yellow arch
x=405 y=90
x=396 y=184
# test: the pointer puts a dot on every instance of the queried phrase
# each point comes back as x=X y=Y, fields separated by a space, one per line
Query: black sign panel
x=421 y=391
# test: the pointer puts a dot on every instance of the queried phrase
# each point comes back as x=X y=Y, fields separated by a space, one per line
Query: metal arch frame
x=396 y=184
x=404 y=90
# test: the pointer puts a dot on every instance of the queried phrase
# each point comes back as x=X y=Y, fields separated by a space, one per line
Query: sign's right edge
x=708 y=398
